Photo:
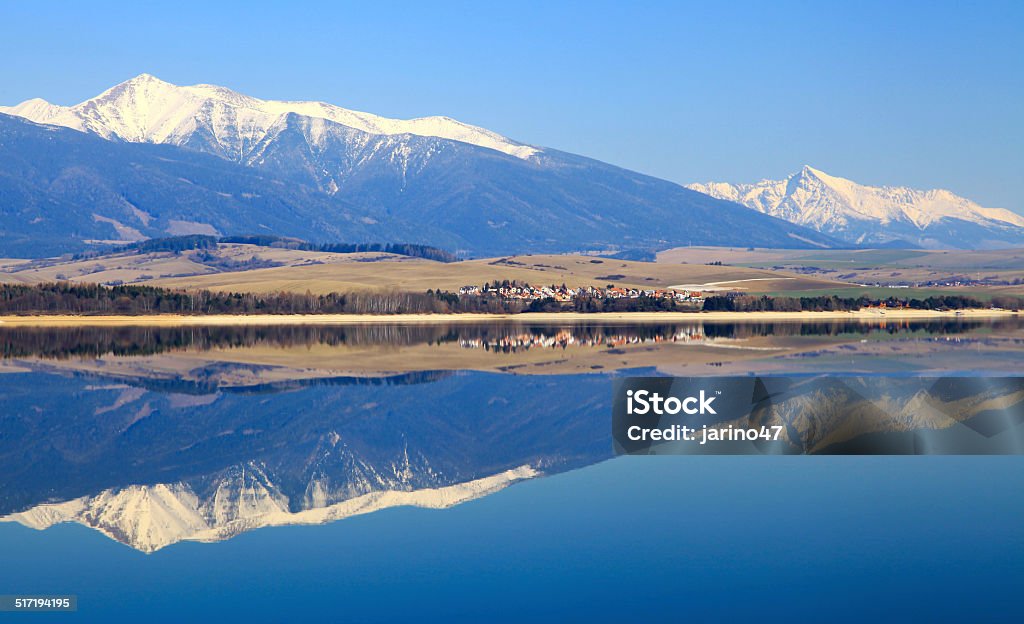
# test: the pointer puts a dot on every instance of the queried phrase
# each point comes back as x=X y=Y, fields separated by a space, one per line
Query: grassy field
x=950 y=259
x=230 y=268
x=883 y=292
x=144 y=267
x=420 y=275
x=989 y=272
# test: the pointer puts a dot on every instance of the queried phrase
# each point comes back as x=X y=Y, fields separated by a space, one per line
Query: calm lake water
x=466 y=473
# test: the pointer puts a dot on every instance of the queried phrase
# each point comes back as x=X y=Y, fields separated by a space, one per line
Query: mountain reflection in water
x=158 y=435
x=150 y=468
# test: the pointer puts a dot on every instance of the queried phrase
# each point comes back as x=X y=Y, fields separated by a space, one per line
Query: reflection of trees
x=839 y=328
x=68 y=342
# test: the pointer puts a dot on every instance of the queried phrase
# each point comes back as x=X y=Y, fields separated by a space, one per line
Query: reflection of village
x=514 y=291
x=564 y=338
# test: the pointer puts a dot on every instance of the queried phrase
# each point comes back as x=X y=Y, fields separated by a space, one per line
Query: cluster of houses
x=565 y=338
x=565 y=294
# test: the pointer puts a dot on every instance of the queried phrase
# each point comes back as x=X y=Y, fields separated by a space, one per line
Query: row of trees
x=399 y=249
x=174 y=244
x=72 y=298
x=178 y=244
x=751 y=303
x=75 y=298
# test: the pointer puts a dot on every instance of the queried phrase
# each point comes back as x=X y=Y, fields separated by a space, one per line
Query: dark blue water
x=804 y=539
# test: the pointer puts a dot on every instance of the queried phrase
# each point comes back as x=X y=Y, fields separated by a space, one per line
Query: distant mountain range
x=147 y=158
x=876 y=216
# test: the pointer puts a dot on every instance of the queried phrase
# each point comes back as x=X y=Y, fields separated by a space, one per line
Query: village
x=513 y=291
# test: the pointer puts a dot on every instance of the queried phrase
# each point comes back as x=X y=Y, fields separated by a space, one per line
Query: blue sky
x=920 y=94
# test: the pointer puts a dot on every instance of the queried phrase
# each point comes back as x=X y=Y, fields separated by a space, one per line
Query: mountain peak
x=146 y=109
x=144 y=77
x=872 y=215
x=808 y=171
x=142 y=81
x=35 y=109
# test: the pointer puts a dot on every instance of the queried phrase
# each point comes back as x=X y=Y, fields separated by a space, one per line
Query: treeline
x=223 y=263
x=93 y=299
x=750 y=303
x=77 y=341
x=84 y=299
x=399 y=249
x=751 y=329
x=173 y=244
x=484 y=304
x=178 y=244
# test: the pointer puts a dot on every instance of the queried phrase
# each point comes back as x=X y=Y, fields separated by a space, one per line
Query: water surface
x=466 y=473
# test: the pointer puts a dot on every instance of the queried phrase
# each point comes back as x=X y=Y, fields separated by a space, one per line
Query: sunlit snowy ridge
x=151 y=517
x=146 y=109
x=867 y=214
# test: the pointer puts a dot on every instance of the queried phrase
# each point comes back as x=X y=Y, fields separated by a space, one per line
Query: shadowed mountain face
x=62 y=189
x=232 y=164
x=495 y=203
x=151 y=467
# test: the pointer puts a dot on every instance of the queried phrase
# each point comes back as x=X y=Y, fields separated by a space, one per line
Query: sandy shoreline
x=171 y=320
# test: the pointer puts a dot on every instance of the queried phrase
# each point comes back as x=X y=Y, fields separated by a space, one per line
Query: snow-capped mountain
x=151 y=517
x=66 y=191
x=134 y=162
x=146 y=109
x=174 y=451
x=868 y=215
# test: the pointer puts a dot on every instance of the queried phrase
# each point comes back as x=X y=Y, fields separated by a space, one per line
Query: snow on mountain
x=150 y=517
x=432 y=180
x=146 y=109
x=875 y=215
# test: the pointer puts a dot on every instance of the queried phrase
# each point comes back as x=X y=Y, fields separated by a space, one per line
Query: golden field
x=414 y=274
x=996 y=271
x=255 y=269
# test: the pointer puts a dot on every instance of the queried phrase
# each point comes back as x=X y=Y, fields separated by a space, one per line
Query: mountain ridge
x=868 y=215
x=161 y=112
x=361 y=177
x=151 y=517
